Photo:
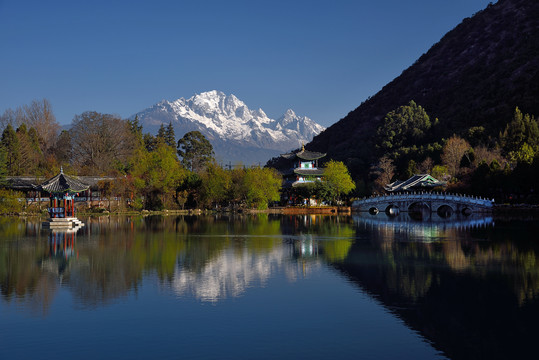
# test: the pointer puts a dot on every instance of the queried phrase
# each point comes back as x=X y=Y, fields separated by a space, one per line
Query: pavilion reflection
x=61 y=250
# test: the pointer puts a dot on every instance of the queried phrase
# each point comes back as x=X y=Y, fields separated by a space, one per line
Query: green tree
x=195 y=151
x=30 y=151
x=215 y=185
x=150 y=142
x=405 y=126
x=136 y=130
x=9 y=201
x=188 y=191
x=440 y=172
x=523 y=129
x=11 y=144
x=338 y=181
x=161 y=133
x=170 y=137
x=262 y=185
x=157 y=175
x=3 y=164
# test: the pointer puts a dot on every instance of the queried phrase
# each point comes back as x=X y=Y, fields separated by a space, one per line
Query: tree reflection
x=462 y=284
x=471 y=290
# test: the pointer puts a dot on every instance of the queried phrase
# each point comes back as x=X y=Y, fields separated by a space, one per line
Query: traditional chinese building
x=305 y=170
x=415 y=183
x=62 y=190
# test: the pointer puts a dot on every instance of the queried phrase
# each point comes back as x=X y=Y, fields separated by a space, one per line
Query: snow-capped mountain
x=237 y=133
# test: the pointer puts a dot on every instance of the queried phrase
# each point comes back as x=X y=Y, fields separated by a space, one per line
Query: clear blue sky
x=320 y=58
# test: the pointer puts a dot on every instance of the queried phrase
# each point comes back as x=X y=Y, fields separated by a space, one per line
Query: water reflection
x=404 y=227
x=470 y=285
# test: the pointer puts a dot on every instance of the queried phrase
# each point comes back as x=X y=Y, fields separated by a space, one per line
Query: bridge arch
x=419 y=210
x=392 y=210
x=458 y=204
x=418 y=206
x=445 y=211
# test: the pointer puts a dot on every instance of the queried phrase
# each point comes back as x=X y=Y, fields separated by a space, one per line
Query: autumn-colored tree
x=39 y=115
x=425 y=167
x=383 y=173
x=453 y=151
x=486 y=155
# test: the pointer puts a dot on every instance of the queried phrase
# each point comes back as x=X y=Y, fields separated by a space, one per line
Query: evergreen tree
x=195 y=151
x=170 y=137
x=30 y=151
x=150 y=142
x=136 y=130
x=520 y=139
x=404 y=126
x=10 y=142
x=3 y=164
x=161 y=133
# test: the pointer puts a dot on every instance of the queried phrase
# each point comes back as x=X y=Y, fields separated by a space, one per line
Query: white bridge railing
x=425 y=196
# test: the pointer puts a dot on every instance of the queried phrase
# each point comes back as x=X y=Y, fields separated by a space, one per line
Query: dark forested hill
x=474 y=76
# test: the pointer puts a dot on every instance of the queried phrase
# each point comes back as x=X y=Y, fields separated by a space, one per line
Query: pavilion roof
x=307 y=172
x=421 y=181
x=63 y=183
x=304 y=154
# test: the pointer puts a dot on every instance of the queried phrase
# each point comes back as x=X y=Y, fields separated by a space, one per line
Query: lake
x=270 y=286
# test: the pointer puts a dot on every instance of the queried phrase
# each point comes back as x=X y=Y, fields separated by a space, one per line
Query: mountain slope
x=474 y=76
x=237 y=133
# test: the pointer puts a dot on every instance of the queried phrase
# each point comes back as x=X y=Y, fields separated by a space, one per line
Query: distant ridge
x=237 y=133
x=474 y=76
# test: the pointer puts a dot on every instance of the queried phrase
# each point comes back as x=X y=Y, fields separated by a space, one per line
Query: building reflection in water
x=62 y=251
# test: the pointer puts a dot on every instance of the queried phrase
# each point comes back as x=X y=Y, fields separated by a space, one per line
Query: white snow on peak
x=223 y=116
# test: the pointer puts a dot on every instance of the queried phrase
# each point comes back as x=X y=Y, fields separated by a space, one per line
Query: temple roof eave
x=425 y=181
x=304 y=155
x=62 y=183
x=309 y=172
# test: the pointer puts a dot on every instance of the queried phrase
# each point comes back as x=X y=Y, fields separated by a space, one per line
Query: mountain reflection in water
x=468 y=285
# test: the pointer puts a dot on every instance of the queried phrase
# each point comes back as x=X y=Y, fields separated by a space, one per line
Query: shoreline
x=502 y=209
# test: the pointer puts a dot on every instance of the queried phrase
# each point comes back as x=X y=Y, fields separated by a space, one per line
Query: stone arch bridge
x=442 y=203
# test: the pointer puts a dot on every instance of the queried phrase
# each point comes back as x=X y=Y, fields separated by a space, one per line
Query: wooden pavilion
x=62 y=189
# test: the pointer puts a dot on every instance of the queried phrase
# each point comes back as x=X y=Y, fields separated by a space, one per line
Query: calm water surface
x=267 y=287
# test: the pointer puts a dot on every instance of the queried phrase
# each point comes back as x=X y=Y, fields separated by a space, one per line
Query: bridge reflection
x=431 y=228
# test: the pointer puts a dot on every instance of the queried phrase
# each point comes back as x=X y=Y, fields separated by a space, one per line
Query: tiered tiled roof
x=304 y=154
x=416 y=182
x=62 y=183
x=307 y=172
